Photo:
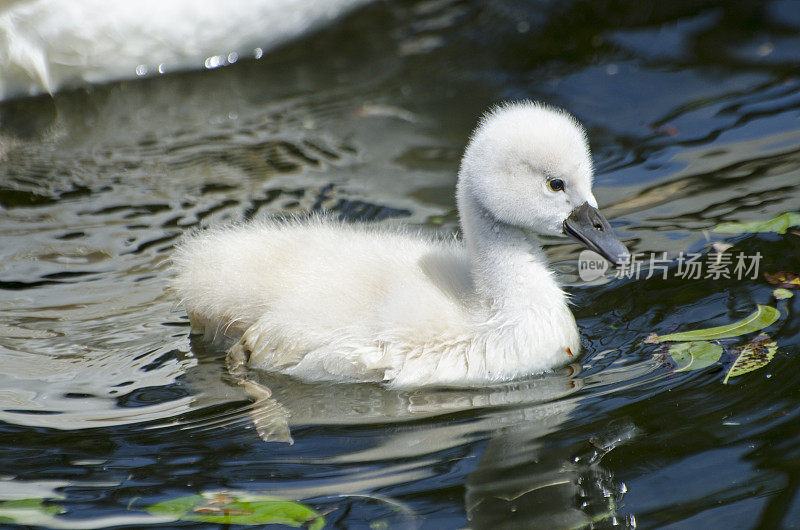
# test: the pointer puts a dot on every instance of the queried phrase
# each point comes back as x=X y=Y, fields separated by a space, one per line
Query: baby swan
x=322 y=300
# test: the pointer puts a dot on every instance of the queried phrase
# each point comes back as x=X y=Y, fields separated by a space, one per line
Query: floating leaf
x=763 y=317
x=779 y=224
x=28 y=512
x=694 y=355
x=787 y=280
x=652 y=338
x=754 y=355
x=781 y=294
x=223 y=508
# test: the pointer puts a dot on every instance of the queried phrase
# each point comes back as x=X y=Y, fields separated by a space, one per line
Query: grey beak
x=588 y=226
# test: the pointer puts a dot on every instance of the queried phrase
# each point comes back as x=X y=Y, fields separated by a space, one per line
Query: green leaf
x=780 y=293
x=176 y=508
x=779 y=224
x=29 y=512
x=223 y=508
x=764 y=316
x=694 y=355
x=754 y=355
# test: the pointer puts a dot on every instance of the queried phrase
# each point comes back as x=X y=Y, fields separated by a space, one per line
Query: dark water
x=692 y=110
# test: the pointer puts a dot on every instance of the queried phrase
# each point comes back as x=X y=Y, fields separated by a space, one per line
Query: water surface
x=692 y=110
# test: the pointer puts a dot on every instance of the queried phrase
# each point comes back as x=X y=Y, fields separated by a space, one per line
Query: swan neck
x=510 y=269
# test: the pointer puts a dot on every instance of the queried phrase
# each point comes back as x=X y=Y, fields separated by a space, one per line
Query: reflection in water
x=515 y=483
x=518 y=484
x=308 y=403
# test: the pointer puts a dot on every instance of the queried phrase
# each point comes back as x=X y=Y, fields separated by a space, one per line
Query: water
x=692 y=110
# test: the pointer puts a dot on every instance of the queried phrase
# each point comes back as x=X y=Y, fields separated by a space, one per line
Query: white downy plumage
x=323 y=300
x=49 y=44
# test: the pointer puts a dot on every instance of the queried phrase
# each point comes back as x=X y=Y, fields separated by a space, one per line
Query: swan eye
x=556 y=184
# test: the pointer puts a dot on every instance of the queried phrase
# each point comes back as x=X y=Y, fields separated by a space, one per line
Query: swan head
x=528 y=165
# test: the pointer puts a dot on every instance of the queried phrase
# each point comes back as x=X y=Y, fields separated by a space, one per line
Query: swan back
x=321 y=274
